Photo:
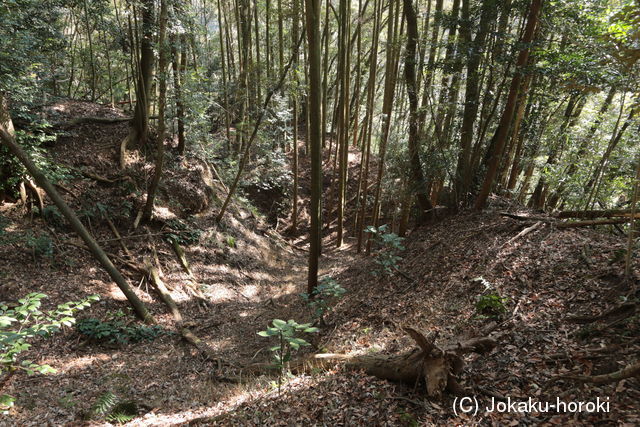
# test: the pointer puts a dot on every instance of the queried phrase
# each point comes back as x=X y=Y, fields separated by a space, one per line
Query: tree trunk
x=6 y=135
x=312 y=14
x=417 y=185
x=162 y=76
x=507 y=115
x=140 y=125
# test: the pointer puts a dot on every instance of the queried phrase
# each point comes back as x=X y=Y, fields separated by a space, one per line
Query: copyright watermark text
x=471 y=405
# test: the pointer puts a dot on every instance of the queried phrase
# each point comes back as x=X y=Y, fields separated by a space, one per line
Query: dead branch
x=593 y=214
x=629 y=371
x=436 y=367
x=165 y=296
x=115 y=232
x=575 y=224
x=527 y=217
x=621 y=311
x=525 y=232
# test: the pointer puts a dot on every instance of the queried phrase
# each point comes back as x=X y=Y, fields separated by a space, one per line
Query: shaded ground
x=250 y=276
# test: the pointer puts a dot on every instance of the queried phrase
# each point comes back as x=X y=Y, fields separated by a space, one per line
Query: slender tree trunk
x=417 y=185
x=294 y=123
x=7 y=138
x=472 y=94
x=505 y=121
x=162 y=76
x=343 y=114
x=387 y=106
x=312 y=12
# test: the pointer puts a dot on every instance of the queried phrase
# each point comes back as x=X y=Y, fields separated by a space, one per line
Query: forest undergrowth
x=553 y=299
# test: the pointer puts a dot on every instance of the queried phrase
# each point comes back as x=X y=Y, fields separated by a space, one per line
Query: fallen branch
x=527 y=217
x=165 y=296
x=575 y=224
x=629 y=371
x=593 y=214
x=621 y=311
x=524 y=232
x=437 y=367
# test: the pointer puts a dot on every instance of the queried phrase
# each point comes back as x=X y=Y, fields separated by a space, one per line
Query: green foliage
x=491 y=305
x=285 y=333
x=32 y=140
x=231 y=241
x=52 y=216
x=41 y=245
x=182 y=233
x=324 y=296
x=389 y=245
x=117 y=331
x=113 y=409
x=24 y=321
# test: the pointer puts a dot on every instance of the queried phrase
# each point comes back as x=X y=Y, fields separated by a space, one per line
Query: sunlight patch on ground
x=116 y=293
x=250 y=291
x=76 y=363
x=219 y=293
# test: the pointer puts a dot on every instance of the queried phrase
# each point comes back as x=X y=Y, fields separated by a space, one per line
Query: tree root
x=629 y=371
x=437 y=367
x=185 y=332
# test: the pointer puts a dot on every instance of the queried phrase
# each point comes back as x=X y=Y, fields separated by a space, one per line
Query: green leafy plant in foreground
x=285 y=333
x=21 y=323
x=323 y=296
x=491 y=305
x=389 y=245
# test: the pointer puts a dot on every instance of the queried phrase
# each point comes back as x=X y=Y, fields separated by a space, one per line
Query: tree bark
x=507 y=115
x=417 y=185
x=312 y=14
x=6 y=130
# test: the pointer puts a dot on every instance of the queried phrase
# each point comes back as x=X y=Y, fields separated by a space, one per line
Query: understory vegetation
x=440 y=198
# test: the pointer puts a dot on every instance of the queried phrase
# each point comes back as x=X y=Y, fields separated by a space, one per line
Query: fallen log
x=576 y=224
x=8 y=140
x=593 y=214
x=436 y=367
x=629 y=371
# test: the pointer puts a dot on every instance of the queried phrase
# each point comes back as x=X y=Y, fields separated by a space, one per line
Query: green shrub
x=41 y=246
x=23 y=322
x=287 y=342
x=116 y=331
x=182 y=233
x=324 y=296
x=491 y=305
x=389 y=245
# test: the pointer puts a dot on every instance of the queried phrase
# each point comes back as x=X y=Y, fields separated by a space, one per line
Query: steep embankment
x=240 y=276
x=549 y=278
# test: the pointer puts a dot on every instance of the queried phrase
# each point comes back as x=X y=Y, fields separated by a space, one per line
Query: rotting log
x=436 y=367
x=575 y=224
x=95 y=249
x=632 y=370
x=594 y=214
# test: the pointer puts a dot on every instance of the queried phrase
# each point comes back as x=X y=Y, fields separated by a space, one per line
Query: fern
x=105 y=403
x=120 y=418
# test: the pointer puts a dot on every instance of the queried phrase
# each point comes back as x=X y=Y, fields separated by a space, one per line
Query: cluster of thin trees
x=441 y=102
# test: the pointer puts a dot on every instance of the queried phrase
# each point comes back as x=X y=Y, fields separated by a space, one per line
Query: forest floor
x=249 y=275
